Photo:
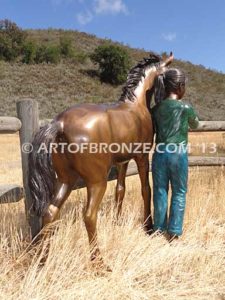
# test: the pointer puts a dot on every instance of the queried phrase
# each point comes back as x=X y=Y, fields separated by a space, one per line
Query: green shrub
x=48 y=54
x=68 y=51
x=79 y=57
x=40 y=54
x=12 y=39
x=66 y=48
x=114 y=63
x=29 y=52
x=52 y=54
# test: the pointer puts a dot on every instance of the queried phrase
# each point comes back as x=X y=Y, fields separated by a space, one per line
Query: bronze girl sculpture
x=172 y=117
x=53 y=174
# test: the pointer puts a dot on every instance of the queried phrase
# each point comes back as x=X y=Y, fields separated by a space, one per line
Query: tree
x=114 y=63
x=11 y=40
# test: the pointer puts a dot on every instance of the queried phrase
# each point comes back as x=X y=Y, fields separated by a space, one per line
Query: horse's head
x=156 y=69
x=152 y=73
x=142 y=77
x=165 y=63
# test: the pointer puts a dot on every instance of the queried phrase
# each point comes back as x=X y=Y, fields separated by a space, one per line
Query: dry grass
x=10 y=164
x=207 y=143
x=143 y=267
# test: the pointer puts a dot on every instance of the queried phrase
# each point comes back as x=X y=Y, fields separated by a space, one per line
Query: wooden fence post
x=27 y=112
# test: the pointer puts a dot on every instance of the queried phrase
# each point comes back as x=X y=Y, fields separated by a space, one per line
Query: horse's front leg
x=95 y=193
x=143 y=170
x=120 y=187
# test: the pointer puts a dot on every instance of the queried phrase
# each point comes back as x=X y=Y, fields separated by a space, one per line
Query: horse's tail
x=42 y=176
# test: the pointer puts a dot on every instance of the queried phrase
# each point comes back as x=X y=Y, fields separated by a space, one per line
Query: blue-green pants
x=170 y=166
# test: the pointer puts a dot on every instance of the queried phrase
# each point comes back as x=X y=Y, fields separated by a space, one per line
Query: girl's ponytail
x=159 y=91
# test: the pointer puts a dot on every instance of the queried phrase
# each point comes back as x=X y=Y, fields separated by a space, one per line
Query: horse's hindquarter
x=87 y=126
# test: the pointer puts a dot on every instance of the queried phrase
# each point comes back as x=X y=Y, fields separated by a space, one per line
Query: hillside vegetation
x=58 y=86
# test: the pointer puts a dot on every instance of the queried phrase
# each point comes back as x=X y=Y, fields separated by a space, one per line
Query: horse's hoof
x=100 y=268
x=98 y=263
x=51 y=214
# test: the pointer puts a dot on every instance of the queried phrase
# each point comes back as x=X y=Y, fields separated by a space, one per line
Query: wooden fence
x=28 y=123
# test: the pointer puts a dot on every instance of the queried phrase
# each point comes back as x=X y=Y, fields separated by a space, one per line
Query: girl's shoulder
x=186 y=105
x=188 y=108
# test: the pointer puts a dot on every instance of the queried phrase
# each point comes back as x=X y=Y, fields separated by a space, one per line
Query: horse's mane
x=136 y=74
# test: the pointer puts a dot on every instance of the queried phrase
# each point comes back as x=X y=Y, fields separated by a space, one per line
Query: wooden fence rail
x=28 y=124
x=10 y=193
x=210 y=126
x=13 y=124
x=9 y=124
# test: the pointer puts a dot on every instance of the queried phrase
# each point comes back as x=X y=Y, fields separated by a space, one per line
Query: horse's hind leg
x=120 y=187
x=66 y=179
x=62 y=192
x=95 y=193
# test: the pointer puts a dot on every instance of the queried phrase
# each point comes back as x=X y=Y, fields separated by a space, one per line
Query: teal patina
x=169 y=165
x=171 y=118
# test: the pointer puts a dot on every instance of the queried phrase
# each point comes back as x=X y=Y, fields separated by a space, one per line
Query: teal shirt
x=171 y=119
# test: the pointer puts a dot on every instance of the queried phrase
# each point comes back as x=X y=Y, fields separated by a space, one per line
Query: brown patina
x=53 y=176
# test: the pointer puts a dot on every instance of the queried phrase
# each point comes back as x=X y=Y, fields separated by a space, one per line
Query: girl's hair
x=168 y=82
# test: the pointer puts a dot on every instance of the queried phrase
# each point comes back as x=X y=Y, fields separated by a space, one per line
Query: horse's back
x=114 y=122
x=85 y=122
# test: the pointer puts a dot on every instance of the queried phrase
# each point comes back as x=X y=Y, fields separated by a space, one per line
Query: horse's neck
x=142 y=89
x=140 y=93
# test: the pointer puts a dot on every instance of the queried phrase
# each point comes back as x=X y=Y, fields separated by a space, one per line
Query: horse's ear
x=169 y=59
x=164 y=64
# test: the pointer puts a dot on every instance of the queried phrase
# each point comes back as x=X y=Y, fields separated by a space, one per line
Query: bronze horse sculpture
x=53 y=174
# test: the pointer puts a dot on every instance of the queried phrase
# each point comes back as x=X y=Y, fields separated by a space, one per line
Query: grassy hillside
x=58 y=86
